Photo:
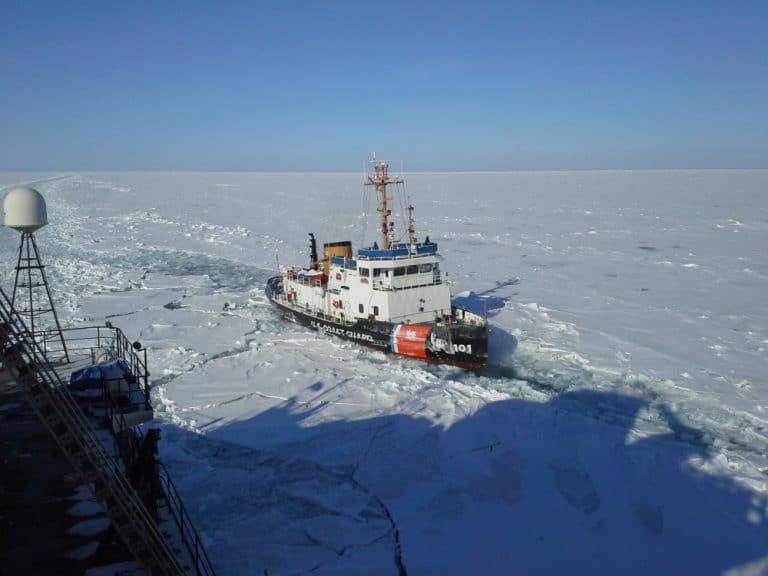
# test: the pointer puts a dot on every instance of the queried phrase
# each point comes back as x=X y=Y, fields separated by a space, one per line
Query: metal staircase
x=62 y=416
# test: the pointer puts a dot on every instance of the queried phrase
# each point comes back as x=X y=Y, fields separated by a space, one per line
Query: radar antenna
x=25 y=211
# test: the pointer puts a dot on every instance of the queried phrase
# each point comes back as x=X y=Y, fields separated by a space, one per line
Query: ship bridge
x=397 y=251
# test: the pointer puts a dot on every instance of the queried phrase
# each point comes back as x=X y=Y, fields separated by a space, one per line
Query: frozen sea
x=621 y=428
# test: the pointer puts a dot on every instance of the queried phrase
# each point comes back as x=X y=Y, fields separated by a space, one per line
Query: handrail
x=189 y=535
x=103 y=466
x=114 y=339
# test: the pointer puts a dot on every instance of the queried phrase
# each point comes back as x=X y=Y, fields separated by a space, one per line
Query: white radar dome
x=24 y=209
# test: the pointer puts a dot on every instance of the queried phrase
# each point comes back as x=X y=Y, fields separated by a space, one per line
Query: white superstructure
x=400 y=285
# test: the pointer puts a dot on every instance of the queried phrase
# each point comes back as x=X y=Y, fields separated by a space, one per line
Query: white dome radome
x=24 y=209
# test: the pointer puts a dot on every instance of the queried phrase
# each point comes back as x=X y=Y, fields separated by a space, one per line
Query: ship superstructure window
x=365 y=272
x=376 y=272
x=412 y=269
x=400 y=271
x=361 y=308
x=375 y=310
x=425 y=268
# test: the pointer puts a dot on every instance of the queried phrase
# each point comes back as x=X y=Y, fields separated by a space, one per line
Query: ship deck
x=39 y=493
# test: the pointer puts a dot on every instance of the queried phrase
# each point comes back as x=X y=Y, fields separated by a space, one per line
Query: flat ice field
x=622 y=427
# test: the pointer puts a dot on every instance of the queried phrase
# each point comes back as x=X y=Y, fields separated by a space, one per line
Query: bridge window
x=400 y=271
x=425 y=268
x=413 y=269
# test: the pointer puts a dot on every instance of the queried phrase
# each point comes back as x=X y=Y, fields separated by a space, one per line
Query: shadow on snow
x=486 y=302
x=516 y=487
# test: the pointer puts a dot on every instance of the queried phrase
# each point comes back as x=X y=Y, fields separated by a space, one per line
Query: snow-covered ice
x=90 y=527
x=622 y=426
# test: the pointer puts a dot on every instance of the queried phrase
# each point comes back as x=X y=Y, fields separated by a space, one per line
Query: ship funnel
x=331 y=249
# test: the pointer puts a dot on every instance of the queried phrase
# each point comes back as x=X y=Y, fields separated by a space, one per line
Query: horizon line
x=245 y=171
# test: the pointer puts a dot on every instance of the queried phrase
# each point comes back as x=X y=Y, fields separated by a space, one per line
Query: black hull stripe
x=377 y=335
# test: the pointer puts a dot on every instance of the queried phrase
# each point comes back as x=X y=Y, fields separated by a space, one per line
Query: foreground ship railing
x=129 y=446
x=72 y=431
x=87 y=341
x=189 y=534
x=27 y=358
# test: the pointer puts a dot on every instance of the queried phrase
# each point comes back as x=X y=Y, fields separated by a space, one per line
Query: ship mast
x=411 y=226
x=381 y=180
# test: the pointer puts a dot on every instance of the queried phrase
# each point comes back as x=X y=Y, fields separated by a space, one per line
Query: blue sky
x=319 y=85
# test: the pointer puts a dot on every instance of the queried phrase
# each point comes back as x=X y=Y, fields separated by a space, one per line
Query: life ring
x=338 y=276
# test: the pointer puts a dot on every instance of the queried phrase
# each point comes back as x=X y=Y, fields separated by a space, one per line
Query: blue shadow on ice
x=486 y=302
x=566 y=486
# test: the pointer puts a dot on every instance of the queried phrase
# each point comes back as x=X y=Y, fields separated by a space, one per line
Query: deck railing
x=88 y=343
x=92 y=341
x=189 y=535
x=129 y=445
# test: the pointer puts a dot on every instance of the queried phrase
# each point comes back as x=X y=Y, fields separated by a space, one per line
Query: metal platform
x=90 y=388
